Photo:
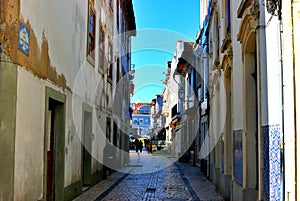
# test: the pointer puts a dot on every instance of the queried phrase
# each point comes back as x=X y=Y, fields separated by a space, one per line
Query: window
x=110 y=70
x=118 y=70
x=174 y=111
x=111 y=3
x=109 y=73
x=122 y=24
x=228 y=17
x=189 y=85
x=101 y=48
x=217 y=34
x=110 y=53
x=91 y=32
x=118 y=15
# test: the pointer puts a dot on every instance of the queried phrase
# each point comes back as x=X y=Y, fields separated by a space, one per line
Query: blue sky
x=160 y=23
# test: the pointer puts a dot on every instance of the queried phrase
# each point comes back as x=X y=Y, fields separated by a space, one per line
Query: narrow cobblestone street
x=149 y=100
x=145 y=178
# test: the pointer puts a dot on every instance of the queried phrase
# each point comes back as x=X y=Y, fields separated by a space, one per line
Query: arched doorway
x=250 y=119
x=228 y=144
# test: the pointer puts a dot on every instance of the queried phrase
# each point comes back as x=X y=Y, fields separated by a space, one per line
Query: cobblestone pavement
x=158 y=178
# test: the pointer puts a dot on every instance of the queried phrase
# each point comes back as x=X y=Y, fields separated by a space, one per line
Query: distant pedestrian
x=147 y=144
x=149 y=147
x=141 y=145
x=136 y=144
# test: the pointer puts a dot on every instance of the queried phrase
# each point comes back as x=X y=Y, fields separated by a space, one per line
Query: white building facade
x=245 y=99
x=61 y=63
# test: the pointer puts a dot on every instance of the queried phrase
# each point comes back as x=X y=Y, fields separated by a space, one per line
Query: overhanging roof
x=129 y=13
x=187 y=57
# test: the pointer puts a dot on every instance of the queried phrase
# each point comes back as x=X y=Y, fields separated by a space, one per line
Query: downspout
x=282 y=112
x=294 y=91
x=114 y=50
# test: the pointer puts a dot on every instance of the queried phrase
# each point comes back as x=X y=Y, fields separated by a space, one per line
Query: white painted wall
x=29 y=147
x=203 y=11
x=289 y=120
x=72 y=145
x=273 y=72
x=237 y=70
x=98 y=140
x=64 y=26
x=222 y=103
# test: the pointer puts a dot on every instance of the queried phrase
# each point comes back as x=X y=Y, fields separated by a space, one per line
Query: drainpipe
x=115 y=51
x=294 y=91
x=282 y=171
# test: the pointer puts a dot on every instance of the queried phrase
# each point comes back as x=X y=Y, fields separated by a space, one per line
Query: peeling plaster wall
x=63 y=37
x=56 y=59
x=29 y=143
x=38 y=60
x=63 y=25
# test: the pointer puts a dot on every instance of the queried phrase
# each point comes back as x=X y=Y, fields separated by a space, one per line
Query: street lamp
x=274 y=7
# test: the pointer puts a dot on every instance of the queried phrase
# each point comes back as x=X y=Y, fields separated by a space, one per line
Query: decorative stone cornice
x=243 y=5
x=130 y=16
x=248 y=24
x=226 y=43
x=226 y=63
x=217 y=61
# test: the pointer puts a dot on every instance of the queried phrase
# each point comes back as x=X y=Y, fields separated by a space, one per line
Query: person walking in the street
x=136 y=144
x=147 y=145
x=141 y=146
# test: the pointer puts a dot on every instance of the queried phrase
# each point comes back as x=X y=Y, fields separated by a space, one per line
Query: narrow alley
x=144 y=179
x=159 y=100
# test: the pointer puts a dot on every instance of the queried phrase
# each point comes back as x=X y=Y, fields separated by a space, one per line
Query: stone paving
x=153 y=178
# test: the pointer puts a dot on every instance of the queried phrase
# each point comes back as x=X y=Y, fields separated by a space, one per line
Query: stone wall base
x=243 y=194
x=225 y=186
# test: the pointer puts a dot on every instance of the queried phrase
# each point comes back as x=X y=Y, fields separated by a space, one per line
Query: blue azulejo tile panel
x=238 y=156
x=266 y=179
x=272 y=162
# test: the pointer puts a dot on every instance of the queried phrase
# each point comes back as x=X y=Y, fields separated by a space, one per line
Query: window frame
x=101 y=49
x=118 y=70
x=110 y=5
x=118 y=15
x=91 y=46
x=228 y=17
x=110 y=63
